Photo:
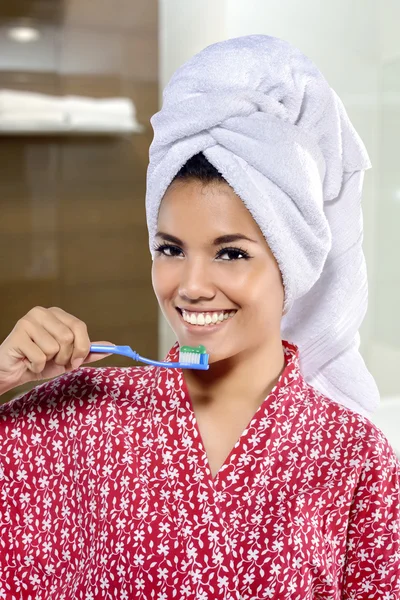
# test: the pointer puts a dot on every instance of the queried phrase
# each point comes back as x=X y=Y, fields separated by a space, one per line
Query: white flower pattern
x=106 y=492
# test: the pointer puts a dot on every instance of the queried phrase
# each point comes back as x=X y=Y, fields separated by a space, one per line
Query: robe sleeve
x=372 y=567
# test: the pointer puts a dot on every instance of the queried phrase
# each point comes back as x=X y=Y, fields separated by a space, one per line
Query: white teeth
x=203 y=319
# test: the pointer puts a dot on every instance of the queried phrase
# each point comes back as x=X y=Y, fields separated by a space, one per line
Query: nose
x=196 y=282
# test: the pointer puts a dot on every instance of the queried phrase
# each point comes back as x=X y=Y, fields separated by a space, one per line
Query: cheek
x=162 y=279
x=156 y=280
x=262 y=287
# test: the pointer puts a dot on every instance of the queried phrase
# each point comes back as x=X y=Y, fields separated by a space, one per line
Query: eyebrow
x=222 y=239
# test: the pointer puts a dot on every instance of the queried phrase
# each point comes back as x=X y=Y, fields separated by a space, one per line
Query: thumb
x=95 y=356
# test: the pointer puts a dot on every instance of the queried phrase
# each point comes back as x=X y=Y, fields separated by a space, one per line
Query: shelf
x=12 y=130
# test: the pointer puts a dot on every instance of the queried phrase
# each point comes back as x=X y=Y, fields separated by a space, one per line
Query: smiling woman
x=242 y=481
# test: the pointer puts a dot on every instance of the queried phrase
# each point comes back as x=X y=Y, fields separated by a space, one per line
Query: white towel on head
x=265 y=117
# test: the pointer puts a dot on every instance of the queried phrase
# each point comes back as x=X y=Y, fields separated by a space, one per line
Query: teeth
x=206 y=318
x=201 y=319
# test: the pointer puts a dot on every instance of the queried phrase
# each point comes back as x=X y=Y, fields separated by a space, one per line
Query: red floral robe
x=106 y=492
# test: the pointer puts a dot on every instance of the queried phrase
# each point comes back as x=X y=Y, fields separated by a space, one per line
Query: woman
x=244 y=481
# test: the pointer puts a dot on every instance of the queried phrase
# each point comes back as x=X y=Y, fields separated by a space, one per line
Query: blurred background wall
x=72 y=222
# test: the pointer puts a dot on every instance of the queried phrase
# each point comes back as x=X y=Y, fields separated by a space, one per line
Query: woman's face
x=204 y=265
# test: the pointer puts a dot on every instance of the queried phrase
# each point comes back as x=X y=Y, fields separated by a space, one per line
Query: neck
x=247 y=377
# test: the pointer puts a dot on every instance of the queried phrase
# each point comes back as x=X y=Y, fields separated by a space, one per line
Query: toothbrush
x=189 y=357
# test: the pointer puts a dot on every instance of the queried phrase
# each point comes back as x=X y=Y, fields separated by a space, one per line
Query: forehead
x=192 y=206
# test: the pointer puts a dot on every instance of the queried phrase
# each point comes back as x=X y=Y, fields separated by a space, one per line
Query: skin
x=246 y=355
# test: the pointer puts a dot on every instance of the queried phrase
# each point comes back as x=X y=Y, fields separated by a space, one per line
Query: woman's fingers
x=34 y=356
x=94 y=356
x=69 y=332
x=44 y=343
x=81 y=340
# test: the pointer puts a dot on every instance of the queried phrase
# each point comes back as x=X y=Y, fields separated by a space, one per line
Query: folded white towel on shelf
x=21 y=101
x=115 y=107
x=48 y=116
x=32 y=121
x=28 y=110
x=87 y=122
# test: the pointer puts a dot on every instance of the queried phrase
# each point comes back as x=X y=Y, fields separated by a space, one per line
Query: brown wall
x=72 y=220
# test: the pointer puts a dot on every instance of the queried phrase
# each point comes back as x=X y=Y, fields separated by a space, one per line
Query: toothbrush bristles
x=189 y=358
x=196 y=356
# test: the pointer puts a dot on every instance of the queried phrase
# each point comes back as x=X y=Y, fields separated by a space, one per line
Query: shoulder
x=354 y=435
x=59 y=422
x=87 y=391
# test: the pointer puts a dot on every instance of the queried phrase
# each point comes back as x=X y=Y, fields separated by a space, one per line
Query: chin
x=217 y=355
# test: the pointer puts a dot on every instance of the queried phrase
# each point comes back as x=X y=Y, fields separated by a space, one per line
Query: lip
x=203 y=329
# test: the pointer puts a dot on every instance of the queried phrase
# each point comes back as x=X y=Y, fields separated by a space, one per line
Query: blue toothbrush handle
x=127 y=351
x=122 y=350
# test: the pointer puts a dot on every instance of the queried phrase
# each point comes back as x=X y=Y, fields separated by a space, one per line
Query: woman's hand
x=45 y=343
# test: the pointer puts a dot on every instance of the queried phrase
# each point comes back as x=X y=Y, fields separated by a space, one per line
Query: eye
x=233 y=253
x=167 y=250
